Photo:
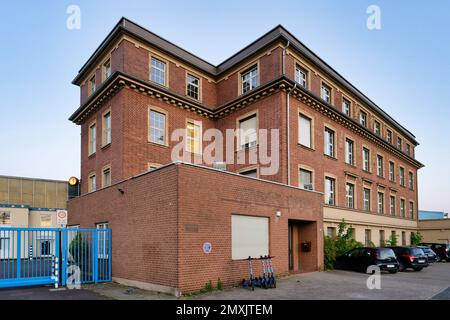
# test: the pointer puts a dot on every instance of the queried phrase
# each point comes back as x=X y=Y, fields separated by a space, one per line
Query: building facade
x=137 y=89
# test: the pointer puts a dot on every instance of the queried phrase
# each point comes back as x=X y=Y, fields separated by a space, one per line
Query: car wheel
x=401 y=267
x=418 y=269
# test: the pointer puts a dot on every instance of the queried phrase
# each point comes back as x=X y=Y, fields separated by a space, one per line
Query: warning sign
x=61 y=218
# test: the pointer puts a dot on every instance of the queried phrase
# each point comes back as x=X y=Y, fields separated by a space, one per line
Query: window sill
x=92 y=155
x=367 y=171
x=158 y=144
x=330 y=157
x=351 y=165
x=106 y=146
x=306 y=147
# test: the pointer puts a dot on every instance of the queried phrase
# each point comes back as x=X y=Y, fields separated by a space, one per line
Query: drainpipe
x=288 y=127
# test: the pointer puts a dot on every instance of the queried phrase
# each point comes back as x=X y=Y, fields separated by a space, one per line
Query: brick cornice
x=121 y=80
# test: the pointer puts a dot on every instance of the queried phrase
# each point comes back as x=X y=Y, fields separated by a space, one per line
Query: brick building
x=340 y=156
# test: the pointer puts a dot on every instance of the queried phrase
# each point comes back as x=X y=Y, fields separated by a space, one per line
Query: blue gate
x=34 y=256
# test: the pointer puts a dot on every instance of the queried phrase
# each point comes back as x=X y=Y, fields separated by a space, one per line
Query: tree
x=336 y=246
x=80 y=251
x=392 y=242
x=416 y=238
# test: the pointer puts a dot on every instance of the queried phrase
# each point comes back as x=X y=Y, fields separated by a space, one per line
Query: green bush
x=336 y=246
x=219 y=284
x=392 y=242
x=416 y=238
x=79 y=249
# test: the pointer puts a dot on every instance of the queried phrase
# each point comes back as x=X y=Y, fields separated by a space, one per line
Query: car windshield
x=427 y=250
x=386 y=253
x=416 y=251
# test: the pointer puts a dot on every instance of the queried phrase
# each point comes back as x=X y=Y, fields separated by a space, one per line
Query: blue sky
x=404 y=67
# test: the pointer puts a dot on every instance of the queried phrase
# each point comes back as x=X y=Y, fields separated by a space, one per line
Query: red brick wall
x=148 y=234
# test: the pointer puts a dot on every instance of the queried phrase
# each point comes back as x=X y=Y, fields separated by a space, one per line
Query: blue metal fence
x=28 y=256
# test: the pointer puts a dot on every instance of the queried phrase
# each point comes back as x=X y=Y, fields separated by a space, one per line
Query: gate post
x=63 y=256
x=19 y=254
x=95 y=253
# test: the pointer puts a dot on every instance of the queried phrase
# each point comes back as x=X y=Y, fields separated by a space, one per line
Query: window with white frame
x=306 y=180
x=377 y=128
x=402 y=207
x=389 y=136
x=107 y=128
x=92 y=86
x=106 y=179
x=103 y=240
x=380 y=202
x=408 y=149
x=330 y=194
x=363 y=118
x=194 y=137
x=349 y=152
x=411 y=210
x=402 y=176
x=346 y=106
x=391 y=171
x=107 y=69
x=249 y=79
x=350 y=195
x=366 y=159
x=368 y=237
x=366 y=199
x=301 y=76
x=304 y=132
x=92 y=138
x=399 y=143
x=329 y=142
x=193 y=86
x=158 y=71
x=249 y=236
x=248 y=132
x=411 y=180
x=325 y=93
x=157 y=127
x=380 y=166
x=392 y=205
x=92 y=183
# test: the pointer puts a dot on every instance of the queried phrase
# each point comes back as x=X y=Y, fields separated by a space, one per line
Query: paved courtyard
x=431 y=283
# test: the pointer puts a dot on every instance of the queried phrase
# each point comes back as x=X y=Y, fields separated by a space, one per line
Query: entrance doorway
x=302 y=245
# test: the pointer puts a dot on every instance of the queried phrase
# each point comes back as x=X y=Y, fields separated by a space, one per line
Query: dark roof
x=279 y=33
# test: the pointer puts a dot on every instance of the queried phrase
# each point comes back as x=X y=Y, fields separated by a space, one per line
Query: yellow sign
x=73 y=181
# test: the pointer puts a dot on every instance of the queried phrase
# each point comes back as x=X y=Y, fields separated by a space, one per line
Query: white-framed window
x=92 y=86
x=411 y=210
x=366 y=159
x=402 y=208
x=194 y=137
x=331 y=232
x=380 y=166
x=350 y=195
x=158 y=71
x=46 y=221
x=5 y=218
x=363 y=118
x=346 y=105
x=389 y=136
x=325 y=93
x=157 y=127
x=392 y=205
x=45 y=246
x=301 y=76
x=92 y=138
x=92 y=183
x=306 y=179
x=366 y=199
x=399 y=143
x=249 y=79
x=106 y=177
x=248 y=132
x=193 y=86
x=408 y=149
x=330 y=188
x=391 y=171
x=107 y=68
x=249 y=236
x=402 y=176
x=411 y=180
x=107 y=128
x=103 y=240
x=349 y=152
x=329 y=142
x=368 y=237
x=304 y=132
x=377 y=128
x=380 y=202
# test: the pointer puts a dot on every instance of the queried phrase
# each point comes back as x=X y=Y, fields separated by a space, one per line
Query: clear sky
x=404 y=67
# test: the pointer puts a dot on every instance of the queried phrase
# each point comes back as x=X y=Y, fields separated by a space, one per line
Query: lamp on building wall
x=278 y=214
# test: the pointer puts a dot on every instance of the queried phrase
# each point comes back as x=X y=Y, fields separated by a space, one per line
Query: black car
x=431 y=255
x=441 y=249
x=410 y=257
x=359 y=259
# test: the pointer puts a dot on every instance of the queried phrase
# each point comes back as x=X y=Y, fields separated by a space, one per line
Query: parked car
x=359 y=259
x=431 y=255
x=410 y=257
x=441 y=249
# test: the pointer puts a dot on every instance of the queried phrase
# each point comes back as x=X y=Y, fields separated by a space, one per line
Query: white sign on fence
x=61 y=218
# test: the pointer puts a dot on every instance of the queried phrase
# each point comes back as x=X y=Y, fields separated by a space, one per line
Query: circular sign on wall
x=207 y=247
